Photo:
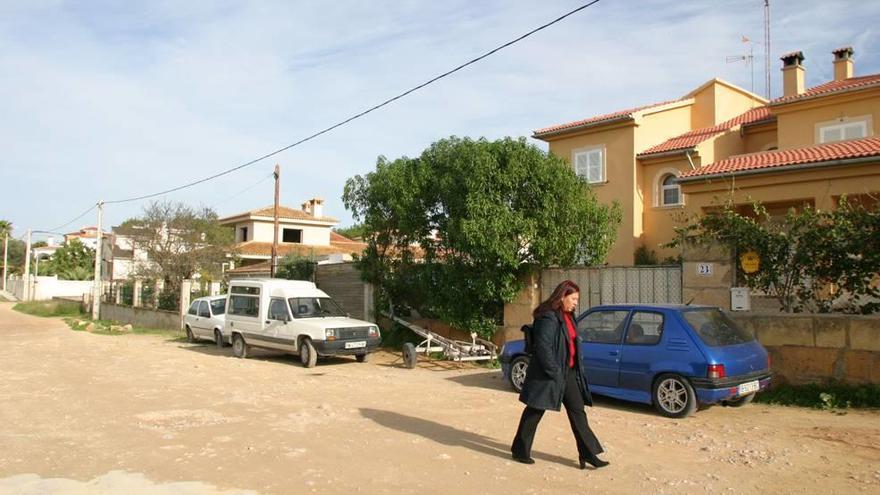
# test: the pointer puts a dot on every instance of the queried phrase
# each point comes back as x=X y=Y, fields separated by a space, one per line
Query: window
x=292 y=235
x=244 y=233
x=590 y=165
x=218 y=306
x=604 y=327
x=194 y=309
x=311 y=307
x=241 y=289
x=843 y=131
x=670 y=191
x=278 y=310
x=203 y=310
x=715 y=328
x=244 y=305
x=645 y=328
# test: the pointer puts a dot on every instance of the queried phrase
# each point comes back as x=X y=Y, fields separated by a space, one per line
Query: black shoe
x=593 y=461
x=524 y=460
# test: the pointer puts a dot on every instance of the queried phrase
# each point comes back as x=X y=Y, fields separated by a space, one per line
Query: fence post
x=136 y=295
x=185 y=292
x=118 y=287
x=215 y=288
x=157 y=290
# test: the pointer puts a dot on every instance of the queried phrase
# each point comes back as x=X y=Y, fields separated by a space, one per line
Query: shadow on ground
x=211 y=349
x=450 y=436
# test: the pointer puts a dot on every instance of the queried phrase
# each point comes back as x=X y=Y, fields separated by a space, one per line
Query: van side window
x=244 y=305
x=645 y=328
x=278 y=310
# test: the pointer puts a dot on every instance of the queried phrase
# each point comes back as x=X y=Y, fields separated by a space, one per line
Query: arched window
x=670 y=191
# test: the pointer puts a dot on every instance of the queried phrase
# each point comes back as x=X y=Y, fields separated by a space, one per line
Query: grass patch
x=832 y=395
x=49 y=308
x=109 y=327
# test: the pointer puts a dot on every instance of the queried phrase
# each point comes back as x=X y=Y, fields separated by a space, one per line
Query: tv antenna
x=748 y=59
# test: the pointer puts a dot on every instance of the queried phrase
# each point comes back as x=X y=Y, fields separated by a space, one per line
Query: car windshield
x=314 y=307
x=715 y=328
x=218 y=306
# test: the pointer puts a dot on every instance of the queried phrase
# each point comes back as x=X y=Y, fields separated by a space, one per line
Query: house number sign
x=705 y=269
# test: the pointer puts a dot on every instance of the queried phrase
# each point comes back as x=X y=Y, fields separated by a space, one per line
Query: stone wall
x=807 y=348
x=141 y=317
x=706 y=276
x=342 y=282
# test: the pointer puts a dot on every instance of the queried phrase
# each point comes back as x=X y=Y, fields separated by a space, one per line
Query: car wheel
x=409 y=355
x=189 y=335
x=518 y=372
x=362 y=358
x=240 y=349
x=218 y=339
x=741 y=401
x=307 y=353
x=674 y=396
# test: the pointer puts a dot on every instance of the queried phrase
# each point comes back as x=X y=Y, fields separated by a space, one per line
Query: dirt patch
x=83 y=412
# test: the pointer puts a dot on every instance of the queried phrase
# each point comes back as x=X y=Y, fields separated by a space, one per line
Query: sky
x=107 y=100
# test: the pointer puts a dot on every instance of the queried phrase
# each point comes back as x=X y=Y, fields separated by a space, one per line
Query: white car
x=294 y=316
x=205 y=320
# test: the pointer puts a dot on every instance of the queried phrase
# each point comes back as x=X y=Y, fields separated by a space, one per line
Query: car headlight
x=373 y=332
x=330 y=334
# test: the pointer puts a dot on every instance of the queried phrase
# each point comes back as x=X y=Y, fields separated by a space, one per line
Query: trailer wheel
x=409 y=355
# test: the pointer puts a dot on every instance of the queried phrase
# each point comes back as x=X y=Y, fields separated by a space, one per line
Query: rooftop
x=692 y=138
x=283 y=212
x=831 y=87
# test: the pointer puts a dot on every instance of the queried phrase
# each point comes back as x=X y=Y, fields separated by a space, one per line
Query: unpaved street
x=83 y=413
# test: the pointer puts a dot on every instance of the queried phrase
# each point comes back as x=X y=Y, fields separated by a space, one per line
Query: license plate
x=747 y=388
x=357 y=345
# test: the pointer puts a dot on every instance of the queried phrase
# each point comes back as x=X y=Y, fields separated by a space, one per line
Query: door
x=601 y=332
x=641 y=349
x=203 y=322
x=277 y=322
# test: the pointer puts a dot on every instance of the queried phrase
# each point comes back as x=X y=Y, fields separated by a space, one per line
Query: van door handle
x=612 y=353
x=268 y=322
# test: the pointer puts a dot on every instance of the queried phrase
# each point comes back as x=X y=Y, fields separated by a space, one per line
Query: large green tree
x=453 y=232
x=72 y=261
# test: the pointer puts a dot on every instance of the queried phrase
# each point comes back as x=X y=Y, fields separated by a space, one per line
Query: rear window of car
x=715 y=328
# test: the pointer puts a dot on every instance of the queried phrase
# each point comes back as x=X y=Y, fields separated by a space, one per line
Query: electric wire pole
x=275 y=236
x=5 y=258
x=97 y=288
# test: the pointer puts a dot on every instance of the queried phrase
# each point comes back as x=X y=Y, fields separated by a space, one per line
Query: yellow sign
x=750 y=262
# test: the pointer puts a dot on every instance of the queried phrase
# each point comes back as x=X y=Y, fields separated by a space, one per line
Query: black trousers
x=587 y=443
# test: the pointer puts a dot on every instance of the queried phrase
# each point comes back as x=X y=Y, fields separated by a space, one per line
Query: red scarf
x=572 y=334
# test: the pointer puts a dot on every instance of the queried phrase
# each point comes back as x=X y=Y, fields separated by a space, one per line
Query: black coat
x=545 y=377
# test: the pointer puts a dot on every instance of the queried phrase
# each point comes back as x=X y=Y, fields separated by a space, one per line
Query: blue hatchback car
x=675 y=357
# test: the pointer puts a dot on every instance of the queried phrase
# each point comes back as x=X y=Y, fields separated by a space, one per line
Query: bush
x=832 y=395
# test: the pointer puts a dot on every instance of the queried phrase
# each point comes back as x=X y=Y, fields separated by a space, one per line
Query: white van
x=293 y=316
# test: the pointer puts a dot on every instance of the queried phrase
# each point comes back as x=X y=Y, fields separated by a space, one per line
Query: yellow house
x=665 y=161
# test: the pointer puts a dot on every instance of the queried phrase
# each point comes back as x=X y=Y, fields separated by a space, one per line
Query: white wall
x=49 y=287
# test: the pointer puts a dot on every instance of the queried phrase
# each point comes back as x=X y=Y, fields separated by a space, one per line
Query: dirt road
x=84 y=413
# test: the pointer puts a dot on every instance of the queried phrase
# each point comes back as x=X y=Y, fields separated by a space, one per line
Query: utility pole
x=767 y=48
x=275 y=237
x=5 y=258
x=27 y=268
x=98 y=286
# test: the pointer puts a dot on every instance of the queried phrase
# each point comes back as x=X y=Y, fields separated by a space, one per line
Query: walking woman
x=555 y=377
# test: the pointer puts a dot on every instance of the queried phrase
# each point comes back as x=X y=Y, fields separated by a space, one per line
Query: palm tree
x=5 y=228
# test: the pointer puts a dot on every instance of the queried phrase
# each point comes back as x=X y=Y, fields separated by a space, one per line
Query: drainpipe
x=687 y=153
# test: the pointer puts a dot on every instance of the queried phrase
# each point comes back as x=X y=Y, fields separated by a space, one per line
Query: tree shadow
x=450 y=436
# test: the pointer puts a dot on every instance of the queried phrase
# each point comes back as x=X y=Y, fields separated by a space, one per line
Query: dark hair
x=554 y=302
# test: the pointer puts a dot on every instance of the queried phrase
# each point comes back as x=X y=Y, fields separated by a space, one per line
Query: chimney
x=843 y=63
x=307 y=207
x=792 y=74
x=317 y=207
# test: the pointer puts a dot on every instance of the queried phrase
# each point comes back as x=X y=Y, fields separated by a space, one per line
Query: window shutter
x=580 y=166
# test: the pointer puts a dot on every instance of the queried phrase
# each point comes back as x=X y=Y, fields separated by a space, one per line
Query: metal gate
x=614 y=285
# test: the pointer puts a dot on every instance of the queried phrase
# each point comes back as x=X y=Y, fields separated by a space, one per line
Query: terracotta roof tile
x=628 y=113
x=697 y=136
x=255 y=248
x=839 y=150
x=283 y=212
x=852 y=83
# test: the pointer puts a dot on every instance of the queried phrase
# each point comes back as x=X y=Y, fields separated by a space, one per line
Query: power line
x=49 y=231
x=361 y=114
x=239 y=193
